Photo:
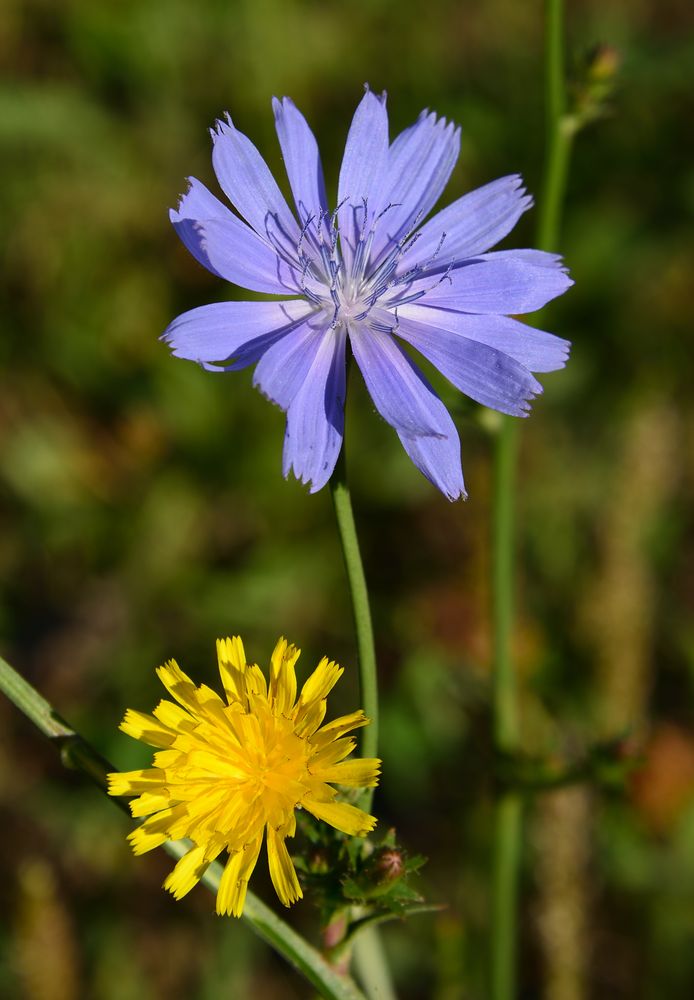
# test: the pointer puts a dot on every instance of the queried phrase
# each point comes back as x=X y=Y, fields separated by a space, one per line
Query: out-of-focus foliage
x=143 y=510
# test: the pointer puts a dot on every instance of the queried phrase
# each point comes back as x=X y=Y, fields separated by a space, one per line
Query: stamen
x=437 y=250
x=333 y=215
x=383 y=327
x=391 y=204
x=361 y=259
x=365 y=203
x=424 y=291
x=311 y=295
x=379 y=281
x=322 y=217
x=302 y=237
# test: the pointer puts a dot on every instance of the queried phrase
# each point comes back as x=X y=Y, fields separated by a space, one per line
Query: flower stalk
x=561 y=128
x=366 y=652
x=507 y=840
x=508 y=807
x=369 y=956
x=80 y=755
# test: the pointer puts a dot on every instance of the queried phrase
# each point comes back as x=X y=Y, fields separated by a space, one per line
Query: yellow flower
x=228 y=773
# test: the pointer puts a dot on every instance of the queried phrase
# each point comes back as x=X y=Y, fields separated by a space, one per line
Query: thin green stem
x=508 y=809
x=555 y=75
x=79 y=755
x=368 y=680
x=560 y=129
x=503 y=549
x=507 y=848
x=369 y=954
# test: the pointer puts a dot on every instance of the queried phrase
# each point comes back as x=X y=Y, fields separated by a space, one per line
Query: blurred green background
x=144 y=512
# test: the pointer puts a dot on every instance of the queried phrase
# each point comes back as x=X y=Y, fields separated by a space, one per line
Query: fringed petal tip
x=344 y=817
x=382 y=97
x=187 y=873
x=453 y=495
x=362 y=772
x=315 y=483
x=115 y=784
x=222 y=126
x=177 y=213
x=280 y=104
x=517 y=187
x=526 y=403
x=141 y=840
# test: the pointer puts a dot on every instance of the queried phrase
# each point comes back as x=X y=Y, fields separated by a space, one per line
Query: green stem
x=508 y=809
x=507 y=848
x=369 y=954
x=560 y=130
x=368 y=680
x=268 y=926
x=504 y=686
x=79 y=755
x=371 y=965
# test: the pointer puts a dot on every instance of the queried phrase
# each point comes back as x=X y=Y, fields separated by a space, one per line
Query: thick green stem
x=79 y=755
x=368 y=680
x=371 y=965
x=508 y=808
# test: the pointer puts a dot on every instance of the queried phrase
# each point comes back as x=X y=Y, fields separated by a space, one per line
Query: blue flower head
x=370 y=273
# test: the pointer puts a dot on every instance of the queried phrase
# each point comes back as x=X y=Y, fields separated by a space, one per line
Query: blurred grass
x=144 y=513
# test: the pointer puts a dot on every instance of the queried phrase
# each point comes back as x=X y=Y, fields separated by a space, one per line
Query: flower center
x=348 y=289
x=276 y=763
x=350 y=304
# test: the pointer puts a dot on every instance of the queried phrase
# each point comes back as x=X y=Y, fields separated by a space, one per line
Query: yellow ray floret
x=229 y=774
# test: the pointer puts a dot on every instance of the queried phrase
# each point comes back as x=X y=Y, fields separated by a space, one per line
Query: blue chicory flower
x=369 y=273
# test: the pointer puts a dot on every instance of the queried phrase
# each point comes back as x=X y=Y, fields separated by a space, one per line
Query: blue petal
x=513 y=281
x=534 y=349
x=315 y=419
x=233 y=332
x=248 y=184
x=283 y=368
x=363 y=170
x=472 y=224
x=227 y=247
x=438 y=458
x=301 y=159
x=537 y=258
x=420 y=162
x=197 y=203
x=483 y=373
x=397 y=387
x=235 y=252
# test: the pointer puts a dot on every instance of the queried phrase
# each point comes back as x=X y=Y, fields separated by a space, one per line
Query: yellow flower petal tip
x=230 y=773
